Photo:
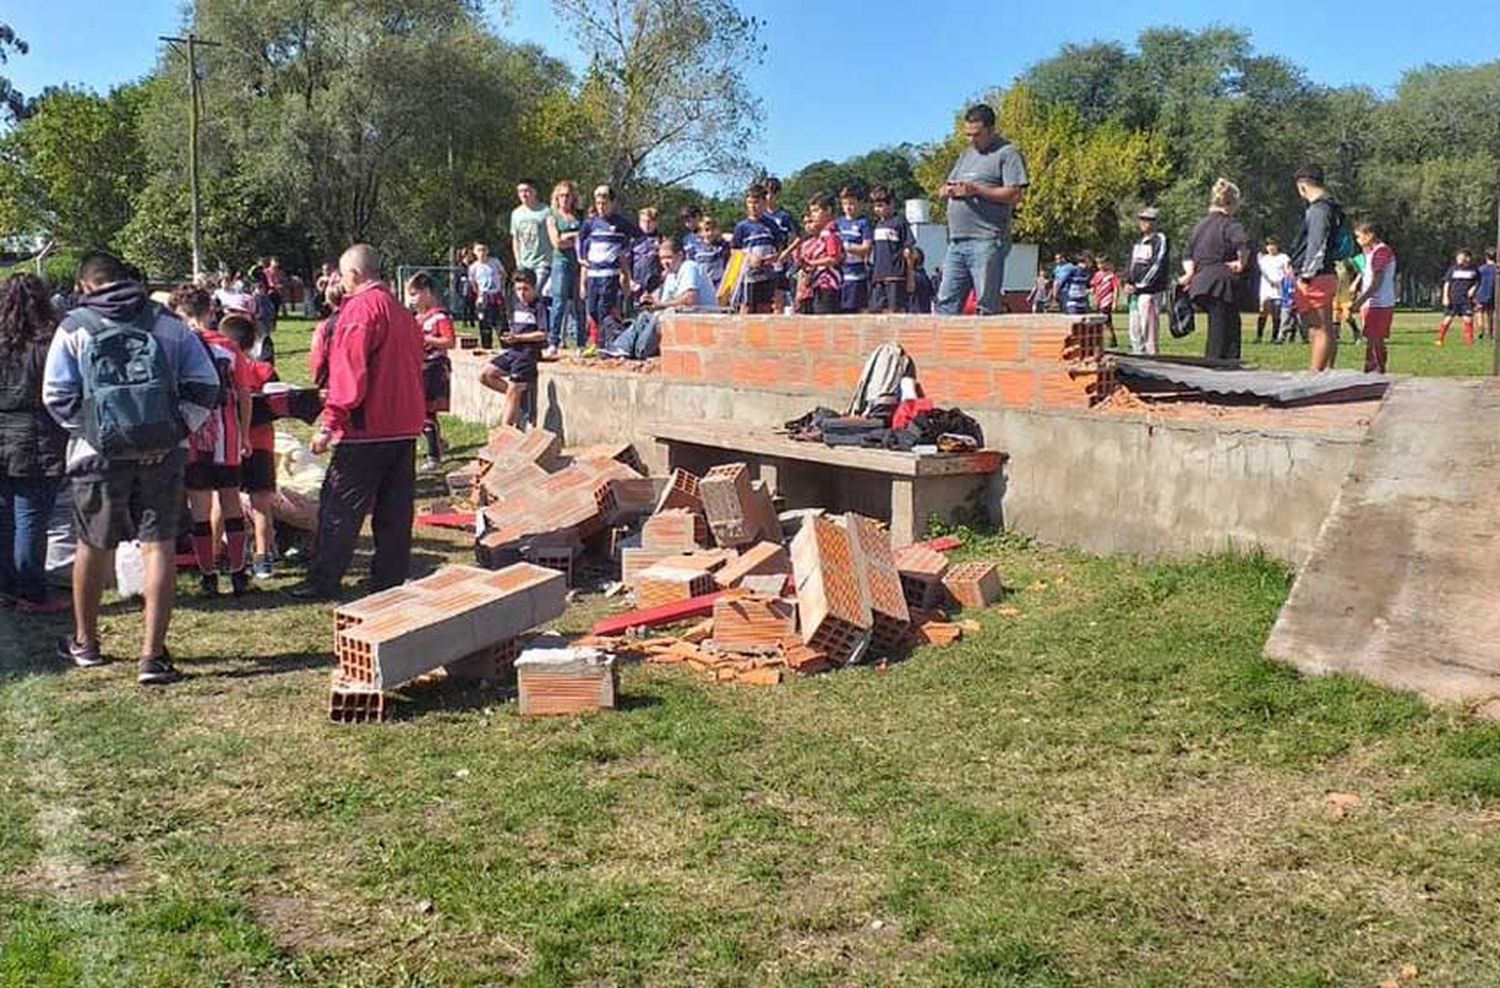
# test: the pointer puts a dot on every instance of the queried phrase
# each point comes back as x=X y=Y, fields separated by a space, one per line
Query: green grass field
x=1107 y=786
x=1411 y=348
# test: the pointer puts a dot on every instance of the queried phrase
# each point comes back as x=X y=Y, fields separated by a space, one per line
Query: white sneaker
x=550 y=353
x=431 y=465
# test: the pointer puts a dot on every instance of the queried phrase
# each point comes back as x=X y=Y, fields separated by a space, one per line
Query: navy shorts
x=1460 y=308
x=602 y=297
x=518 y=364
x=854 y=296
x=888 y=296
x=258 y=473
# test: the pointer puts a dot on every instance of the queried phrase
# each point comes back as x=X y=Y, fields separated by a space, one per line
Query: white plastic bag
x=130 y=570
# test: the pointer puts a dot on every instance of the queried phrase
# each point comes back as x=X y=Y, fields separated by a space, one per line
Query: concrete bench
x=903 y=488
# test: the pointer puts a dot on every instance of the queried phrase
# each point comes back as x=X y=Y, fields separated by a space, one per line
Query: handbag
x=1184 y=315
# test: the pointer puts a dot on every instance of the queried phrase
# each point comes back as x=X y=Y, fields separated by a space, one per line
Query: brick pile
x=554 y=678
x=460 y=618
x=542 y=505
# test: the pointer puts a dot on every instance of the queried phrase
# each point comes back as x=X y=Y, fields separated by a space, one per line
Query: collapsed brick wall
x=1012 y=361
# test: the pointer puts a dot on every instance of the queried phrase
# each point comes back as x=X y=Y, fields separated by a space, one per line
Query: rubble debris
x=770 y=584
x=554 y=678
x=672 y=530
x=922 y=571
x=760 y=559
x=754 y=624
x=666 y=583
x=681 y=491
x=940 y=633
x=975 y=584
x=890 y=617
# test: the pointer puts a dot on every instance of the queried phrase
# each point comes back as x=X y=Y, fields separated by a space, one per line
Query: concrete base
x=1106 y=482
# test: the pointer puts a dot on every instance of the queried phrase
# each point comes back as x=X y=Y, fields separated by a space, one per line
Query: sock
x=430 y=433
x=234 y=534
x=203 y=547
x=1469 y=330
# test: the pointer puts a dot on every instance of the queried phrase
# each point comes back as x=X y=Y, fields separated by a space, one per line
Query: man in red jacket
x=371 y=419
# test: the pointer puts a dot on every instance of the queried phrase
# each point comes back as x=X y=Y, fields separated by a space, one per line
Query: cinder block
x=672 y=530
x=835 y=615
x=975 y=584
x=636 y=559
x=681 y=491
x=751 y=624
x=763 y=512
x=495 y=661
x=556 y=680
x=354 y=703
x=890 y=616
x=632 y=497
x=763 y=558
x=728 y=504
x=921 y=571
x=509 y=445
x=666 y=583
x=619 y=452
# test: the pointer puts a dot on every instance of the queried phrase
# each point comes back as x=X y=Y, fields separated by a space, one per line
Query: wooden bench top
x=764 y=442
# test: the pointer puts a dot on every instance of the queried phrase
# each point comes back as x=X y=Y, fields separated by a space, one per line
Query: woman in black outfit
x=1216 y=254
x=32 y=446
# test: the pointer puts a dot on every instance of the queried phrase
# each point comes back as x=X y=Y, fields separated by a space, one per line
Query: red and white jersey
x=219 y=439
x=437 y=329
x=1380 y=271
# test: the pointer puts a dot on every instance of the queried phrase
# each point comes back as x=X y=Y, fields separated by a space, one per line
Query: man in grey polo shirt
x=982 y=192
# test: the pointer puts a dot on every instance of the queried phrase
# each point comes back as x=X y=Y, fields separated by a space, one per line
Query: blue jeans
x=642 y=340
x=566 y=306
x=25 y=509
x=976 y=264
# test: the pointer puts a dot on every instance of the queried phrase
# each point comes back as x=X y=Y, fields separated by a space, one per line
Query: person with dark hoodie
x=32 y=446
x=128 y=382
x=1314 y=263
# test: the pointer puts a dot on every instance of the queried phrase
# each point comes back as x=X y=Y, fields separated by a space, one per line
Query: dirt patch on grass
x=296 y=923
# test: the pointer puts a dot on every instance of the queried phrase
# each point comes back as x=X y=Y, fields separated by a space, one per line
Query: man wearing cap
x=1146 y=280
x=983 y=190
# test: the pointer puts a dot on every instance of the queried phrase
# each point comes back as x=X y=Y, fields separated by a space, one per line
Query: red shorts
x=1316 y=295
x=1377 y=322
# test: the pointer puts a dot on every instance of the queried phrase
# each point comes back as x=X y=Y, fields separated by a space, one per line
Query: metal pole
x=192 y=50
x=1495 y=346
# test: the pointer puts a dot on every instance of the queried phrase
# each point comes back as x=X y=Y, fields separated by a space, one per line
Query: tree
x=1081 y=176
x=891 y=167
x=69 y=168
x=666 y=84
x=12 y=103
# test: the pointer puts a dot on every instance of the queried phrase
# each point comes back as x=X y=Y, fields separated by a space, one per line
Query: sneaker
x=1437 y=342
x=208 y=584
x=261 y=568
x=431 y=465
x=612 y=352
x=84 y=656
x=550 y=353
x=589 y=351
x=239 y=582
x=158 y=671
x=53 y=605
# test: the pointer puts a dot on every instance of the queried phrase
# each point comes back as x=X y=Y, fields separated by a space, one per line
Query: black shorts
x=211 y=476
x=1484 y=304
x=130 y=501
x=258 y=474
x=435 y=374
x=518 y=364
x=760 y=296
x=888 y=296
x=1461 y=309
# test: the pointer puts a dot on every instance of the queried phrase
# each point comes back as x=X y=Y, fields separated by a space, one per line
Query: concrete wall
x=1102 y=482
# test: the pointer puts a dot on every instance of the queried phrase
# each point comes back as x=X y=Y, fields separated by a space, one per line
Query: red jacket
x=374 y=370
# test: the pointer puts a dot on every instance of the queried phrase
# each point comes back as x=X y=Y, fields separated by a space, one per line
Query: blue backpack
x=129 y=387
x=1341 y=243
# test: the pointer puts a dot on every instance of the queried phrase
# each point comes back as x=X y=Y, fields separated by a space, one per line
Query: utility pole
x=195 y=113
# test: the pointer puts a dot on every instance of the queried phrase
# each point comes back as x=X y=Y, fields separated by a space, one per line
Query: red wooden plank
x=651 y=617
x=943 y=543
x=462 y=520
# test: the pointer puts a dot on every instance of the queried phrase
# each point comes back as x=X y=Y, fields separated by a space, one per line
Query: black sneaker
x=208 y=584
x=158 y=671
x=84 y=656
x=239 y=582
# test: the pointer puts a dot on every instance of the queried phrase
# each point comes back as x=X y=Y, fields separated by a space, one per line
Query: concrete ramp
x=1403 y=583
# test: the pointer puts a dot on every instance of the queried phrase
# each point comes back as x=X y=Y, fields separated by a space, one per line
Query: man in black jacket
x=1146 y=282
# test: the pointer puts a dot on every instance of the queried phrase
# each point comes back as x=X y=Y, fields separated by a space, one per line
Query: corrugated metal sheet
x=1274 y=387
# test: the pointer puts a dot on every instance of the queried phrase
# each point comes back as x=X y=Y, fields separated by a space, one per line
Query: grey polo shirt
x=976 y=218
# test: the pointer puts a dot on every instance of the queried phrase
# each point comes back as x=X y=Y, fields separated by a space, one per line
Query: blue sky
x=835 y=85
